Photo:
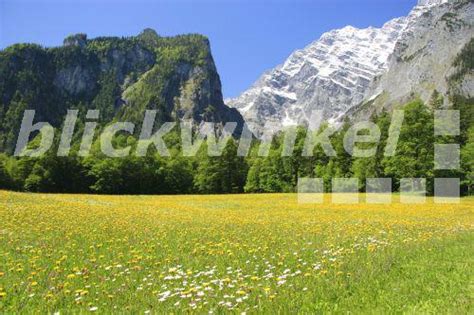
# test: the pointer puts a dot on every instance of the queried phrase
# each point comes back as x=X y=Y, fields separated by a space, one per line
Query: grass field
x=244 y=253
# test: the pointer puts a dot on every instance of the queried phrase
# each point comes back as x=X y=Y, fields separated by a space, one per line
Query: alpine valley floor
x=239 y=253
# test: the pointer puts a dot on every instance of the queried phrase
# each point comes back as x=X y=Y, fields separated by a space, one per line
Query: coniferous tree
x=5 y=179
x=414 y=157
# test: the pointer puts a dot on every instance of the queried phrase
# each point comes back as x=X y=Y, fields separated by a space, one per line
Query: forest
x=231 y=173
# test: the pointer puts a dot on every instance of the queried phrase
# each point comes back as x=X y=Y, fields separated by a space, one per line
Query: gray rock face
x=82 y=77
x=424 y=56
x=430 y=2
x=466 y=86
x=184 y=91
x=79 y=40
x=75 y=80
x=349 y=67
x=331 y=74
x=125 y=61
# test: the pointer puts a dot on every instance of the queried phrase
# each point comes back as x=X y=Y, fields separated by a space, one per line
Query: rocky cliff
x=356 y=70
x=433 y=54
x=122 y=77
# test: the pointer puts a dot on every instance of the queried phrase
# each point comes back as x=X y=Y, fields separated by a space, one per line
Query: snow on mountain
x=332 y=74
x=431 y=2
x=424 y=58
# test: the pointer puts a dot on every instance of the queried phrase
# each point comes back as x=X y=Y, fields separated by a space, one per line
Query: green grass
x=233 y=254
x=436 y=278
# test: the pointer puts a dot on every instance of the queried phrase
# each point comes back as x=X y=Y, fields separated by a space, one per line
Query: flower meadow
x=232 y=253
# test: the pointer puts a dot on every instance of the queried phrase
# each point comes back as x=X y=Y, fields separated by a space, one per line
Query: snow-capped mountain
x=332 y=74
x=427 y=57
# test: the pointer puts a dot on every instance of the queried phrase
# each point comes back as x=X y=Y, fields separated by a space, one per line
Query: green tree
x=371 y=167
x=338 y=166
x=436 y=100
x=414 y=156
x=252 y=184
x=57 y=174
x=178 y=176
x=6 y=181
x=221 y=174
x=467 y=162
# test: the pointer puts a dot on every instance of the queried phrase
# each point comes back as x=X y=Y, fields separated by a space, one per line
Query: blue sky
x=247 y=37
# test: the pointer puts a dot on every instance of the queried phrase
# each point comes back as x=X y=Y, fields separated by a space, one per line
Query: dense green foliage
x=230 y=173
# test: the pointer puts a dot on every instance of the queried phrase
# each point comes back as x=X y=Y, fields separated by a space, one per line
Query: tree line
x=231 y=173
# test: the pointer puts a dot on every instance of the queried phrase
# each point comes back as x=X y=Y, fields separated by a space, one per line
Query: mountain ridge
x=333 y=74
x=424 y=59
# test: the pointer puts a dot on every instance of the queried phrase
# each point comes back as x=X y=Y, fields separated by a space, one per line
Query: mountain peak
x=424 y=3
x=149 y=32
x=332 y=74
x=75 y=40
